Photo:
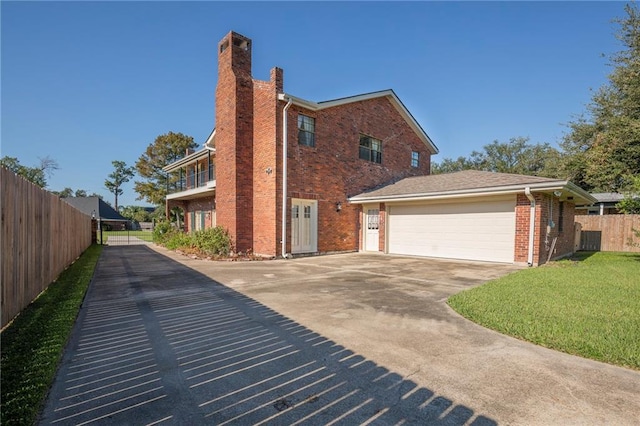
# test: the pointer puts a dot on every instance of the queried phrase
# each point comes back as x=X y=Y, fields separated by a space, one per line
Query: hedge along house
x=473 y=215
x=278 y=170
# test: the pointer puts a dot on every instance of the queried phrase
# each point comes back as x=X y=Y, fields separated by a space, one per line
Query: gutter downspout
x=532 y=224
x=283 y=240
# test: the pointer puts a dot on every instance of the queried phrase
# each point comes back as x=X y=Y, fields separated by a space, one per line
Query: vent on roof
x=242 y=44
x=224 y=45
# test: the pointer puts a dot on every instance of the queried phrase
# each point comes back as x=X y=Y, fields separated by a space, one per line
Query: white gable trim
x=395 y=101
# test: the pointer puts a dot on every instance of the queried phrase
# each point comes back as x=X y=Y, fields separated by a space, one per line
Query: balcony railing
x=192 y=180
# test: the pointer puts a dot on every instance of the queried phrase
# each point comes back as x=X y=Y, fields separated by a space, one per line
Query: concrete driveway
x=351 y=339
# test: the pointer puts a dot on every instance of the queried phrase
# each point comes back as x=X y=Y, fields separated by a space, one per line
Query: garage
x=472 y=215
x=472 y=229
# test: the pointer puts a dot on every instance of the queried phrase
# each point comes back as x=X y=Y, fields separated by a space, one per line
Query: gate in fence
x=124 y=237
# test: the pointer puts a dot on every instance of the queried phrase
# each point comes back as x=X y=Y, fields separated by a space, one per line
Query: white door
x=371 y=228
x=304 y=226
x=478 y=229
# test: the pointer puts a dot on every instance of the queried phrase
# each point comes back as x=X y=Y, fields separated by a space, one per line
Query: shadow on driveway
x=159 y=343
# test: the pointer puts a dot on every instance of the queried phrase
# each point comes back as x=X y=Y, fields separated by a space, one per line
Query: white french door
x=304 y=226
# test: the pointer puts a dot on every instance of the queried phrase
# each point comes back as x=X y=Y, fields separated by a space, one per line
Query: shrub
x=213 y=241
x=161 y=231
x=177 y=240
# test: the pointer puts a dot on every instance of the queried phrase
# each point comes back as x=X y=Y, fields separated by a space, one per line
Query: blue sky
x=90 y=82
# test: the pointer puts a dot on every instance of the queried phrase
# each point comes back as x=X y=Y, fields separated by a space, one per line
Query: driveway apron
x=157 y=342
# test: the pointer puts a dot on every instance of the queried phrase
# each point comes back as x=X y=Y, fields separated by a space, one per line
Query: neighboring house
x=605 y=204
x=96 y=208
x=327 y=152
x=473 y=215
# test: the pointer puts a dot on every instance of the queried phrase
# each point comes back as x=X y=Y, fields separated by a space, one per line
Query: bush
x=161 y=231
x=178 y=240
x=213 y=241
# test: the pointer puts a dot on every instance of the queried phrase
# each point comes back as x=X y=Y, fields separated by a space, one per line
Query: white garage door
x=471 y=230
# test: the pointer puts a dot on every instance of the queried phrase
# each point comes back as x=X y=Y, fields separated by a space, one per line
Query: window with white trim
x=415 y=159
x=306 y=130
x=370 y=149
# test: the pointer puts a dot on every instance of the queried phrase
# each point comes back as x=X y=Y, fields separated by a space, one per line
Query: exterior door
x=304 y=226
x=372 y=228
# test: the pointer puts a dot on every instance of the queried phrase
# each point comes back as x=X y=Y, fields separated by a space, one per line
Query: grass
x=143 y=235
x=587 y=306
x=33 y=344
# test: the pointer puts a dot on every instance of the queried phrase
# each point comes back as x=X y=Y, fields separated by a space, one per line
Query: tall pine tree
x=602 y=149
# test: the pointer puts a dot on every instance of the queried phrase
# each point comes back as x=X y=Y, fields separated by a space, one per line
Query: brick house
x=327 y=152
x=354 y=174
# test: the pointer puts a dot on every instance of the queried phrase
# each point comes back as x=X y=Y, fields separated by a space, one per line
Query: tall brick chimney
x=234 y=140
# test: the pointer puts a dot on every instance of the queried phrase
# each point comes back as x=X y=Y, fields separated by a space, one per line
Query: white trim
x=193 y=192
x=283 y=241
x=395 y=101
x=532 y=224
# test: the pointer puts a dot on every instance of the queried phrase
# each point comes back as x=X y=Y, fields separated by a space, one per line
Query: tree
x=36 y=175
x=516 y=156
x=117 y=178
x=65 y=193
x=602 y=149
x=630 y=204
x=449 y=165
x=135 y=213
x=69 y=192
x=164 y=150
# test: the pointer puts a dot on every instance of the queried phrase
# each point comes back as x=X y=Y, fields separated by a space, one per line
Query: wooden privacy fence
x=612 y=232
x=41 y=236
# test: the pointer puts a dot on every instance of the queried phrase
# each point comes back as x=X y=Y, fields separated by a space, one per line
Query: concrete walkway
x=349 y=339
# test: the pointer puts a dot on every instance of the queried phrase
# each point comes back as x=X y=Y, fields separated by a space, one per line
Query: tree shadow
x=159 y=343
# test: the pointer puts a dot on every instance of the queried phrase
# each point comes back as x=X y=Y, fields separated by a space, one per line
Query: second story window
x=306 y=130
x=415 y=159
x=370 y=149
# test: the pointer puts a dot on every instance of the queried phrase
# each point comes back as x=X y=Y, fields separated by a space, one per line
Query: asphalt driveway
x=351 y=339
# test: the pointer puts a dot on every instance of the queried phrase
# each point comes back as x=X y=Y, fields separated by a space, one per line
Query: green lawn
x=588 y=306
x=32 y=345
x=143 y=235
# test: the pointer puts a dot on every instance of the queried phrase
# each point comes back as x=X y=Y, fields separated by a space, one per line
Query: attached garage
x=475 y=229
x=472 y=215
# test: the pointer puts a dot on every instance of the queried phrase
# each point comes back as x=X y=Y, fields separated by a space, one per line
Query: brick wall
x=332 y=171
x=203 y=205
x=547 y=207
x=266 y=178
x=234 y=139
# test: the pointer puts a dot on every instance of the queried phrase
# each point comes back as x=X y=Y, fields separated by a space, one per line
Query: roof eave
x=186 y=160
x=395 y=101
x=575 y=191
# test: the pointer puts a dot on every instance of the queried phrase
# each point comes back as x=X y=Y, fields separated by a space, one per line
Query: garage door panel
x=462 y=230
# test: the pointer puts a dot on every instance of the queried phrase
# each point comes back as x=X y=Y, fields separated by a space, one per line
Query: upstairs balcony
x=191 y=177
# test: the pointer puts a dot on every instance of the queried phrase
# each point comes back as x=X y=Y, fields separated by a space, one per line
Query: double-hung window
x=306 y=130
x=415 y=159
x=370 y=149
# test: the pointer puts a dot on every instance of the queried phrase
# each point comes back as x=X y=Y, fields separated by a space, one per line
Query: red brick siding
x=200 y=204
x=383 y=227
x=522 y=229
x=265 y=163
x=234 y=142
x=545 y=205
x=332 y=171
